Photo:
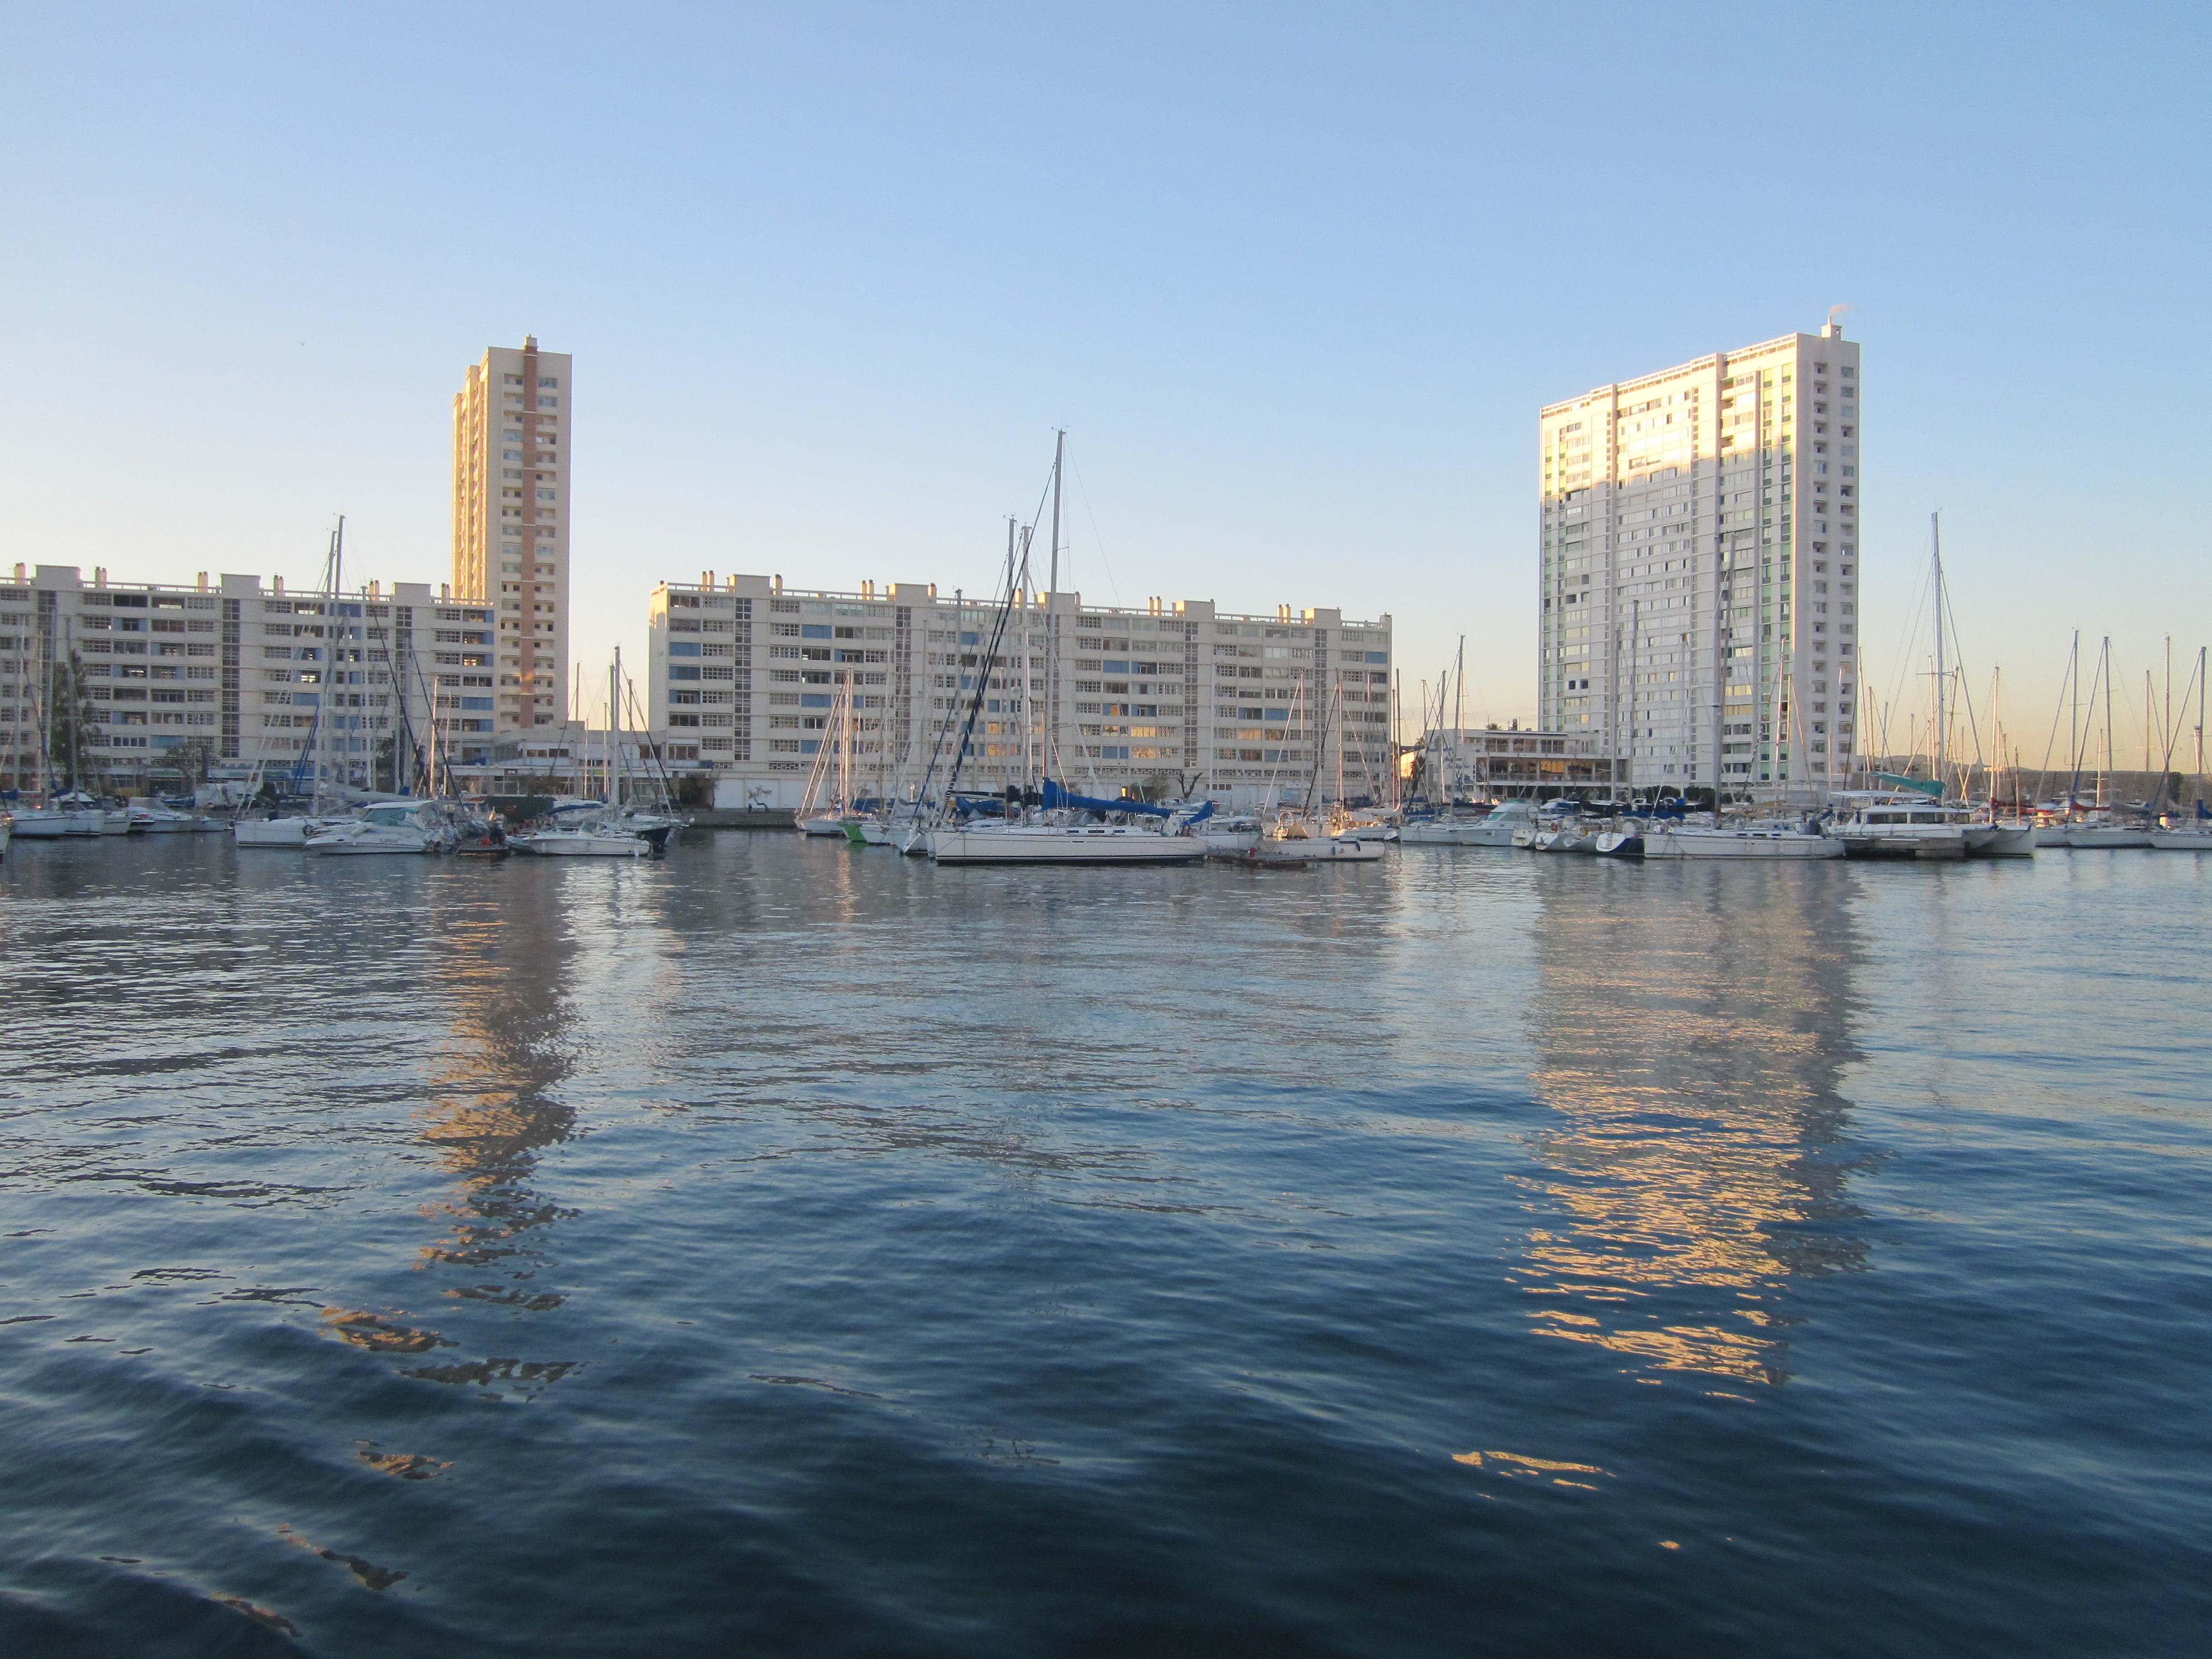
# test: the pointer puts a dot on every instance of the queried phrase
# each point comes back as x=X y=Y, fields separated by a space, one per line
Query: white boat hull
x=823 y=827
x=2098 y=837
x=2182 y=841
x=271 y=832
x=340 y=844
x=1055 y=844
x=2001 y=841
x=1738 y=844
x=579 y=844
x=38 y=824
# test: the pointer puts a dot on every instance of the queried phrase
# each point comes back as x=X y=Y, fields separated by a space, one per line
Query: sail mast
x=1051 y=619
x=1942 y=728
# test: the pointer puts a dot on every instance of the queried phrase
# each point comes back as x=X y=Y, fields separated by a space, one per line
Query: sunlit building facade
x=514 y=419
x=103 y=680
x=1700 y=555
x=749 y=680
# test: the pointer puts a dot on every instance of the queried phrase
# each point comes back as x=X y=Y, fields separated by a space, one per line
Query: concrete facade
x=358 y=684
x=513 y=424
x=750 y=680
x=1699 y=556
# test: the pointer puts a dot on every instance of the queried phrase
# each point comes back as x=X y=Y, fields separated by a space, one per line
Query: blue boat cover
x=1056 y=795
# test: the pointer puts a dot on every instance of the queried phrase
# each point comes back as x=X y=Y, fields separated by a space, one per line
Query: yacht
x=384 y=826
x=1493 y=830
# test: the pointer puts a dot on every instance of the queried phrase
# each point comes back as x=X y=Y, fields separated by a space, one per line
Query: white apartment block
x=514 y=421
x=369 y=685
x=1701 y=561
x=746 y=678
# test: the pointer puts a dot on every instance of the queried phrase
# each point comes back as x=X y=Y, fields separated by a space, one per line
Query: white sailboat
x=1064 y=828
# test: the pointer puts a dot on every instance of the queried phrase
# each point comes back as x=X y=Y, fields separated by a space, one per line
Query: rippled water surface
x=786 y=1249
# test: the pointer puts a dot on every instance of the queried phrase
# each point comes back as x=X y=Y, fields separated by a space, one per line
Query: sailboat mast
x=1051 y=621
x=2105 y=673
x=2074 y=721
x=614 y=728
x=1942 y=728
x=1459 y=702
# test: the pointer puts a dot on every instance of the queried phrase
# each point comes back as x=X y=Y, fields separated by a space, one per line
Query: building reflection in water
x=495 y=1100
x=1690 y=1026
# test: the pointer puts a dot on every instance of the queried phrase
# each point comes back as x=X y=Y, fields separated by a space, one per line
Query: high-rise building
x=1700 y=562
x=753 y=681
x=512 y=418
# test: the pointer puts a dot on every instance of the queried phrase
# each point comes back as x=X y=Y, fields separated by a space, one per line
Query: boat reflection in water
x=1700 y=1155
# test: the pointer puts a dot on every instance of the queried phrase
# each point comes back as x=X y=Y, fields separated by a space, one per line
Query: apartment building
x=751 y=680
x=105 y=680
x=1490 y=762
x=1699 y=551
x=514 y=419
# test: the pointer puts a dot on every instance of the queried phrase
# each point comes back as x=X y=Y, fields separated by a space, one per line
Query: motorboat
x=1689 y=841
x=151 y=817
x=386 y=826
x=1496 y=829
x=589 y=839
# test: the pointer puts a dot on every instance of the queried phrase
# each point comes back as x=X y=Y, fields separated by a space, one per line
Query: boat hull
x=579 y=844
x=269 y=832
x=365 y=846
x=2087 y=837
x=1035 y=844
x=1930 y=841
x=35 y=824
x=823 y=827
x=2001 y=841
x=2182 y=841
x=1738 y=844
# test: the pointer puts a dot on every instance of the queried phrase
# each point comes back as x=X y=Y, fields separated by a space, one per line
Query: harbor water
x=784 y=1248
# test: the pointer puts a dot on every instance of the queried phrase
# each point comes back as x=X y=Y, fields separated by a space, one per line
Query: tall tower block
x=513 y=420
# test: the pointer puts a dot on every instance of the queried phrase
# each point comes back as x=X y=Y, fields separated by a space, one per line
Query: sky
x=1294 y=279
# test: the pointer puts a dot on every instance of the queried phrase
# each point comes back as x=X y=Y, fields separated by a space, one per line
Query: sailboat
x=593 y=828
x=1911 y=818
x=1062 y=827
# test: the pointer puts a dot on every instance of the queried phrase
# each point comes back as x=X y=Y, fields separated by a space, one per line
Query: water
x=784 y=1250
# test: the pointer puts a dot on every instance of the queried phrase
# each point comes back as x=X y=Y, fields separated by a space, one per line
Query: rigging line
x=1913 y=639
x=1112 y=586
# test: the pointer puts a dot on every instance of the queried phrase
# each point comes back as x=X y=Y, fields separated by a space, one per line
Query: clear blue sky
x=1296 y=278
